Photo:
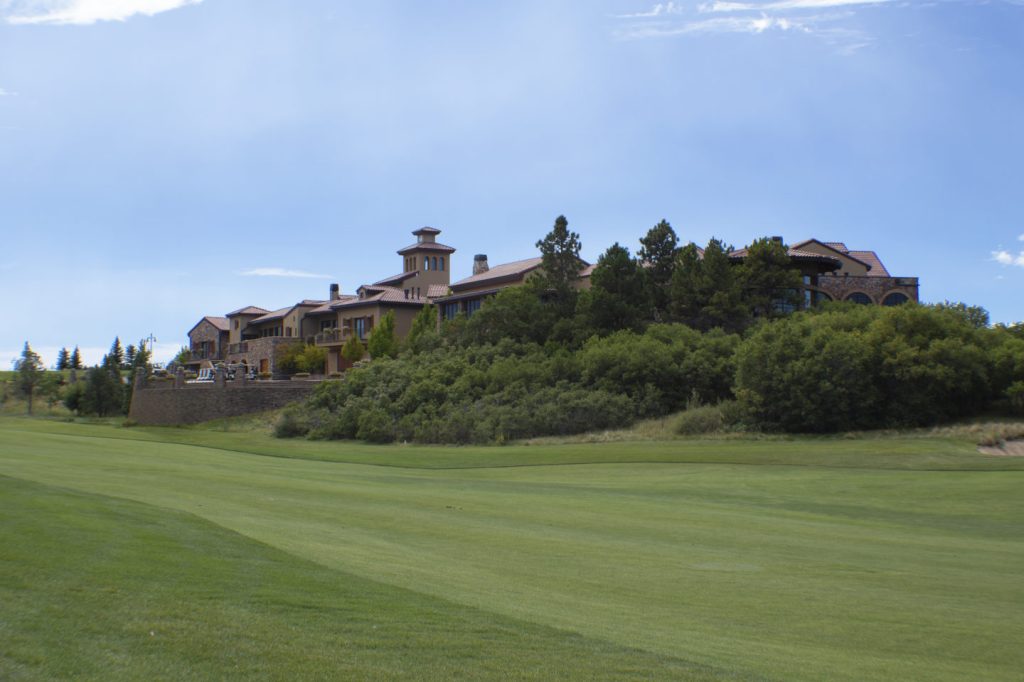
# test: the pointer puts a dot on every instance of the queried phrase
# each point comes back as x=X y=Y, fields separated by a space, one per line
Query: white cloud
x=1006 y=258
x=7 y=93
x=1021 y=238
x=720 y=25
x=781 y=5
x=281 y=272
x=659 y=10
x=83 y=11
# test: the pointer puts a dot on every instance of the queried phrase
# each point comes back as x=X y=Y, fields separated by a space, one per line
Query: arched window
x=895 y=298
x=442 y=263
x=426 y=262
x=435 y=262
x=821 y=297
x=860 y=297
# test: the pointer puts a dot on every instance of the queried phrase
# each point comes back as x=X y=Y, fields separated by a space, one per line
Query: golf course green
x=131 y=553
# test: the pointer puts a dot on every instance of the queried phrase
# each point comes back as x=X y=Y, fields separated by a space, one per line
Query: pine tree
x=129 y=355
x=771 y=285
x=76 y=359
x=685 y=300
x=63 y=360
x=722 y=291
x=619 y=297
x=382 y=342
x=115 y=358
x=560 y=264
x=30 y=372
x=658 y=251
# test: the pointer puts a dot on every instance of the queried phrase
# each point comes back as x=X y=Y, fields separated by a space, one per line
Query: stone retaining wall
x=195 y=403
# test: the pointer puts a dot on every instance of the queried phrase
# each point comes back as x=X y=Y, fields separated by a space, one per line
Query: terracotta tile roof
x=394 y=279
x=437 y=291
x=588 y=271
x=514 y=269
x=835 y=246
x=220 y=323
x=273 y=315
x=249 y=310
x=328 y=306
x=378 y=294
x=795 y=254
x=426 y=246
x=871 y=258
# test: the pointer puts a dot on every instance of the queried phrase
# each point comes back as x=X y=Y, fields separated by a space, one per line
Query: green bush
x=1015 y=393
x=700 y=420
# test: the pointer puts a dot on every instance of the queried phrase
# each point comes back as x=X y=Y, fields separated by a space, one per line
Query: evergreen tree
x=560 y=264
x=722 y=291
x=686 y=300
x=424 y=326
x=771 y=285
x=139 y=364
x=76 y=359
x=104 y=391
x=115 y=358
x=353 y=349
x=619 y=297
x=63 y=360
x=30 y=372
x=658 y=251
x=129 y=355
x=382 y=342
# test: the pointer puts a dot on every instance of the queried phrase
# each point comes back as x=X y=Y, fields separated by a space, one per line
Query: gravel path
x=1013 y=448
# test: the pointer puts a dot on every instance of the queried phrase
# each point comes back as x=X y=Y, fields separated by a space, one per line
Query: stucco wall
x=195 y=403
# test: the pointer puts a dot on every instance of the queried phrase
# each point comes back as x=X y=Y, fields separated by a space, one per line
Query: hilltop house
x=251 y=336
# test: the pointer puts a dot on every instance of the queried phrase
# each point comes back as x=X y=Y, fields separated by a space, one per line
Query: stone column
x=222 y=377
x=140 y=379
x=179 y=377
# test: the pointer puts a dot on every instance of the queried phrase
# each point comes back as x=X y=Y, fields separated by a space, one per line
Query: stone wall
x=205 y=332
x=257 y=350
x=876 y=288
x=194 y=403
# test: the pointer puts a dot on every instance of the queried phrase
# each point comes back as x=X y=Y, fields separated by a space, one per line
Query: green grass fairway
x=879 y=559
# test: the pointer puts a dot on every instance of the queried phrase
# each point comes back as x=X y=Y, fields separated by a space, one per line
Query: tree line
x=104 y=390
x=667 y=330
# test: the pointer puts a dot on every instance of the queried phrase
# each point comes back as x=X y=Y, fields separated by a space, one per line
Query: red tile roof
x=220 y=323
x=394 y=279
x=426 y=246
x=871 y=259
x=248 y=310
x=515 y=269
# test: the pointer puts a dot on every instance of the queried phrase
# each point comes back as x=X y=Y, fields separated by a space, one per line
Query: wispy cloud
x=83 y=11
x=780 y=5
x=720 y=25
x=659 y=10
x=1006 y=258
x=7 y=93
x=282 y=272
x=1020 y=238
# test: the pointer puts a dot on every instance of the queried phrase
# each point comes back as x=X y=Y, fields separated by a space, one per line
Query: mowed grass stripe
x=887 y=453
x=787 y=572
x=101 y=588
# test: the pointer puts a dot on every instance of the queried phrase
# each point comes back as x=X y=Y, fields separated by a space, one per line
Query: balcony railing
x=242 y=347
x=331 y=337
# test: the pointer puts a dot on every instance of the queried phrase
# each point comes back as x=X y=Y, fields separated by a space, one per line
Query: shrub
x=1015 y=393
x=700 y=420
x=292 y=423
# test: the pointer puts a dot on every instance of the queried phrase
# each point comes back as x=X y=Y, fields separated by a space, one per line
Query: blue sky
x=152 y=153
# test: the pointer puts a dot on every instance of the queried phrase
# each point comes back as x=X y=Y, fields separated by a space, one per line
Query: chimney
x=480 y=263
x=335 y=292
x=777 y=239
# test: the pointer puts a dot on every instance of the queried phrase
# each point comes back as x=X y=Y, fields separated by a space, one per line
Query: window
x=407 y=293
x=360 y=327
x=287 y=331
x=450 y=310
x=434 y=259
x=426 y=263
x=442 y=263
x=821 y=297
x=859 y=297
x=895 y=298
x=417 y=292
x=236 y=324
x=472 y=306
x=326 y=324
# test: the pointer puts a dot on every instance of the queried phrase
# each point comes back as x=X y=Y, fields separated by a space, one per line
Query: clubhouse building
x=251 y=336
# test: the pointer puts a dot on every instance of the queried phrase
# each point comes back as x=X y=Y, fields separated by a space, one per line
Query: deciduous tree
x=383 y=343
